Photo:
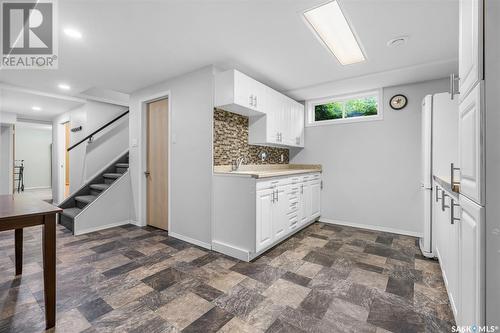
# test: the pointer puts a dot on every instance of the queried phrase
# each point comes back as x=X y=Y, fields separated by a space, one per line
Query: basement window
x=345 y=109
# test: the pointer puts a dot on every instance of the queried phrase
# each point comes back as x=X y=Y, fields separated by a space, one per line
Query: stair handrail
x=90 y=136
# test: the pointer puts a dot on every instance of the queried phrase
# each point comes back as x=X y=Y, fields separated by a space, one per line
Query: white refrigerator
x=439 y=146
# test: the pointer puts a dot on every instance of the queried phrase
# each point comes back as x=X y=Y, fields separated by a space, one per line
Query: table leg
x=18 y=236
x=49 y=269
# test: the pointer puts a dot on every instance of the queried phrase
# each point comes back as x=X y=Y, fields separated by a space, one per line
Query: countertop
x=267 y=170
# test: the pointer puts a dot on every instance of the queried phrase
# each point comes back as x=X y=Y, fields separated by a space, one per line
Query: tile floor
x=326 y=278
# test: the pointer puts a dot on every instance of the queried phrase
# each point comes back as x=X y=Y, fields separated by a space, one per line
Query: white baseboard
x=37 y=188
x=231 y=251
x=190 y=240
x=101 y=227
x=371 y=227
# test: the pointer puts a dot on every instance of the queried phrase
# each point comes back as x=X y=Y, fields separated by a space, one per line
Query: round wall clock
x=398 y=102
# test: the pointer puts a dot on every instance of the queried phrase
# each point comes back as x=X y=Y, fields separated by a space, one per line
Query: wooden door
x=157 y=161
x=264 y=216
x=472 y=258
x=471 y=146
x=470 y=45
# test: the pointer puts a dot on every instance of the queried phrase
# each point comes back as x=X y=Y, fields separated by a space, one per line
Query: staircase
x=81 y=200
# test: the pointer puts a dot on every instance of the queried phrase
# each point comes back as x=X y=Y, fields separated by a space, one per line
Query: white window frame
x=310 y=105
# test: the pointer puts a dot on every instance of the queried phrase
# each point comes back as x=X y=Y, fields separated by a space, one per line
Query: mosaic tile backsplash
x=231 y=142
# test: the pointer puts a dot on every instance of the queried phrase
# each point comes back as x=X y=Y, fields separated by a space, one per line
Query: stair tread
x=100 y=187
x=85 y=198
x=71 y=212
x=112 y=175
x=121 y=165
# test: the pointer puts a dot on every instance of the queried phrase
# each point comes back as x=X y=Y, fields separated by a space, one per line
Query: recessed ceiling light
x=36 y=108
x=332 y=28
x=73 y=33
x=398 y=41
x=64 y=86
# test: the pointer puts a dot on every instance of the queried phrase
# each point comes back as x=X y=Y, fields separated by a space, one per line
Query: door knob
x=147 y=173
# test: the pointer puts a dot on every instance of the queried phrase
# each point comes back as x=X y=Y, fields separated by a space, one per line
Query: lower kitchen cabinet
x=252 y=215
x=264 y=215
x=472 y=220
x=459 y=227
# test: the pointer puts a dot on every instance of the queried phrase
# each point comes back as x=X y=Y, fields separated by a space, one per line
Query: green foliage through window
x=356 y=107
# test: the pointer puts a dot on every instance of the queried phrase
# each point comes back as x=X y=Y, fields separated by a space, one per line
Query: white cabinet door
x=280 y=210
x=315 y=199
x=264 y=218
x=307 y=201
x=471 y=224
x=453 y=269
x=447 y=246
x=471 y=145
x=299 y=124
x=470 y=45
x=302 y=211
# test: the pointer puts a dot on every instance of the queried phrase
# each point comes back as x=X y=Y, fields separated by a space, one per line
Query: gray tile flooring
x=326 y=278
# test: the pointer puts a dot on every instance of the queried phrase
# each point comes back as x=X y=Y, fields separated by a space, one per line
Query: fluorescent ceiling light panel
x=332 y=27
x=36 y=108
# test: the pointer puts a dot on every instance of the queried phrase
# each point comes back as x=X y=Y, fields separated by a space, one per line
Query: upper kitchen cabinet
x=274 y=119
x=471 y=145
x=471 y=45
x=283 y=124
x=238 y=93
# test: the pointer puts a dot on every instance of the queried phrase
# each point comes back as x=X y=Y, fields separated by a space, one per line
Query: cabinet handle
x=452 y=212
x=453 y=89
x=437 y=194
x=455 y=186
x=443 y=204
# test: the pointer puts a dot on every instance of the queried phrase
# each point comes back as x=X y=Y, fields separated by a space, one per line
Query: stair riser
x=95 y=192
x=121 y=170
x=109 y=180
x=80 y=204
x=67 y=222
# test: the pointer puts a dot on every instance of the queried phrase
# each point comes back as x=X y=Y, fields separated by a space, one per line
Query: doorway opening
x=157 y=163
x=33 y=159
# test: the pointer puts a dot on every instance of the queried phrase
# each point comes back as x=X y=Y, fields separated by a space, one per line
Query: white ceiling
x=21 y=101
x=128 y=45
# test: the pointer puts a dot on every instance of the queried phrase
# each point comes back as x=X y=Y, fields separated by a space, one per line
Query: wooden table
x=18 y=212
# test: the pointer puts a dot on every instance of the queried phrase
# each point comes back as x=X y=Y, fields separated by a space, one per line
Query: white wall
x=6 y=158
x=88 y=158
x=33 y=145
x=191 y=109
x=371 y=170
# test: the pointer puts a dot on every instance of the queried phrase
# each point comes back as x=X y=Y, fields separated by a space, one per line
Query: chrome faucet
x=236 y=165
